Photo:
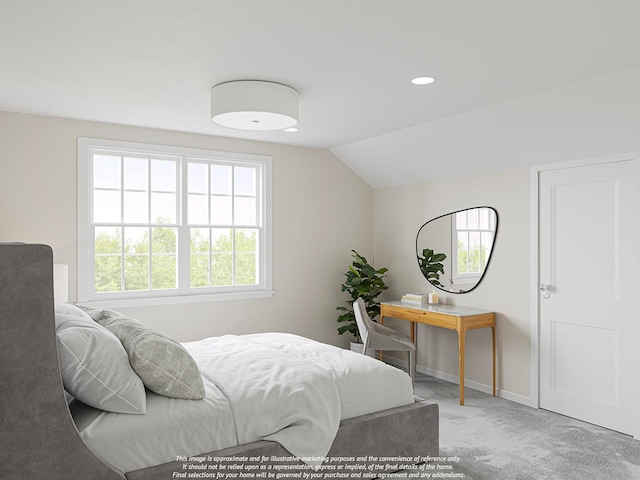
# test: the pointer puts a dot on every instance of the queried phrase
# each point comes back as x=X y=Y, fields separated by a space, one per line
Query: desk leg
x=462 y=333
x=493 y=341
x=381 y=320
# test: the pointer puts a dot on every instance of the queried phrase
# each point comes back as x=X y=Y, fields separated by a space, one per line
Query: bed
x=43 y=436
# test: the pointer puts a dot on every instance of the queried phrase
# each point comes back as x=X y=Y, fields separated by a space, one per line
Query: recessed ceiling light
x=423 y=80
x=291 y=129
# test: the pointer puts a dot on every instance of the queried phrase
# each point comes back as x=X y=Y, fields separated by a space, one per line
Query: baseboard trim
x=481 y=387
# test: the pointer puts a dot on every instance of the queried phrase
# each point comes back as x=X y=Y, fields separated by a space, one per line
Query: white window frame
x=184 y=293
x=465 y=278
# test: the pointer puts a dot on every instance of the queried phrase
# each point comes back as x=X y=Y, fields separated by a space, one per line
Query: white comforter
x=271 y=386
x=276 y=388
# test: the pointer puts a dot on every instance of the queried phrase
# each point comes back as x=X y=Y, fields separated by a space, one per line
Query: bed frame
x=38 y=438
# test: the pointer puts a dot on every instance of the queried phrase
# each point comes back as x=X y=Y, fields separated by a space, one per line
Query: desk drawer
x=420 y=316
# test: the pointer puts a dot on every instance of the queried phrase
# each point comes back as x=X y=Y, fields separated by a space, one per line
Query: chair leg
x=412 y=366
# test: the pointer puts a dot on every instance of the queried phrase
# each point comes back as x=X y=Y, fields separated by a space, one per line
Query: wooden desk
x=451 y=317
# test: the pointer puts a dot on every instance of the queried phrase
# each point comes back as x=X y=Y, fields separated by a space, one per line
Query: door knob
x=545 y=289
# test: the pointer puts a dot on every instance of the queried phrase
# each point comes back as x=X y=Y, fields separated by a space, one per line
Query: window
x=164 y=222
x=473 y=232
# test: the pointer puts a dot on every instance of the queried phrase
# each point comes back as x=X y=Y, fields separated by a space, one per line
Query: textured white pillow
x=164 y=365
x=95 y=367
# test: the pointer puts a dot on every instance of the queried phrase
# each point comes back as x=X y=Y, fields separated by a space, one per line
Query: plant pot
x=357 y=347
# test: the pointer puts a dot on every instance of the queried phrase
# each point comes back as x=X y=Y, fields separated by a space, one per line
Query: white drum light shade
x=254 y=105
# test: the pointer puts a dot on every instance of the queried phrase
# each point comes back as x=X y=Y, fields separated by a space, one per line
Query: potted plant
x=431 y=266
x=362 y=281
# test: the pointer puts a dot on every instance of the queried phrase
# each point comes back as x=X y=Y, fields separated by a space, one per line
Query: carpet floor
x=491 y=438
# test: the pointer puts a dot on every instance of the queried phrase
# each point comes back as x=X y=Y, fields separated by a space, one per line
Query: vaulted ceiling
x=503 y=69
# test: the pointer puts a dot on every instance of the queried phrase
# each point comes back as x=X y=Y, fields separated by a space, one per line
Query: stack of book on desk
x=417 y=298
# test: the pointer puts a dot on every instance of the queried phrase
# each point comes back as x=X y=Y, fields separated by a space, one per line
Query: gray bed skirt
x=39 y=440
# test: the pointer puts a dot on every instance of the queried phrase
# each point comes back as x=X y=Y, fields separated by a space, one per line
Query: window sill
x=465 y=280
x=175 y=299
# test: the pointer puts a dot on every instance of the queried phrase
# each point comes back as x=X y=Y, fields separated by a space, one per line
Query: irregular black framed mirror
x=454 y=250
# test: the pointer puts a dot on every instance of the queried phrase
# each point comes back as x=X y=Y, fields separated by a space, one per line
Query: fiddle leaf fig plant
x=362 y=281
x=431 y=266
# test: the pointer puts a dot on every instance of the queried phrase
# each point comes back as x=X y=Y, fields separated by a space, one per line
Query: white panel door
x=587 y=298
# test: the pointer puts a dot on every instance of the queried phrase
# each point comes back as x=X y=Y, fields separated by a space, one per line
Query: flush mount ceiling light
x=254 y=105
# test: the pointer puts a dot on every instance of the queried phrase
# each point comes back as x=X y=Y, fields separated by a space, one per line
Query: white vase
x=357 y=347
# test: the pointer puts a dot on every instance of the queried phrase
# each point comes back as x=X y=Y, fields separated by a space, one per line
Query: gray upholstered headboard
x=38 y=439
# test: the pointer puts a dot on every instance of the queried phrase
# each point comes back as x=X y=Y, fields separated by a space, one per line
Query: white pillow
x=94 y=365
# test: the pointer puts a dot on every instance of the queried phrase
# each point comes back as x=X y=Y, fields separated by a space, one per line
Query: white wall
x=400 y=211
x=594 y=117
x=321 y=210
